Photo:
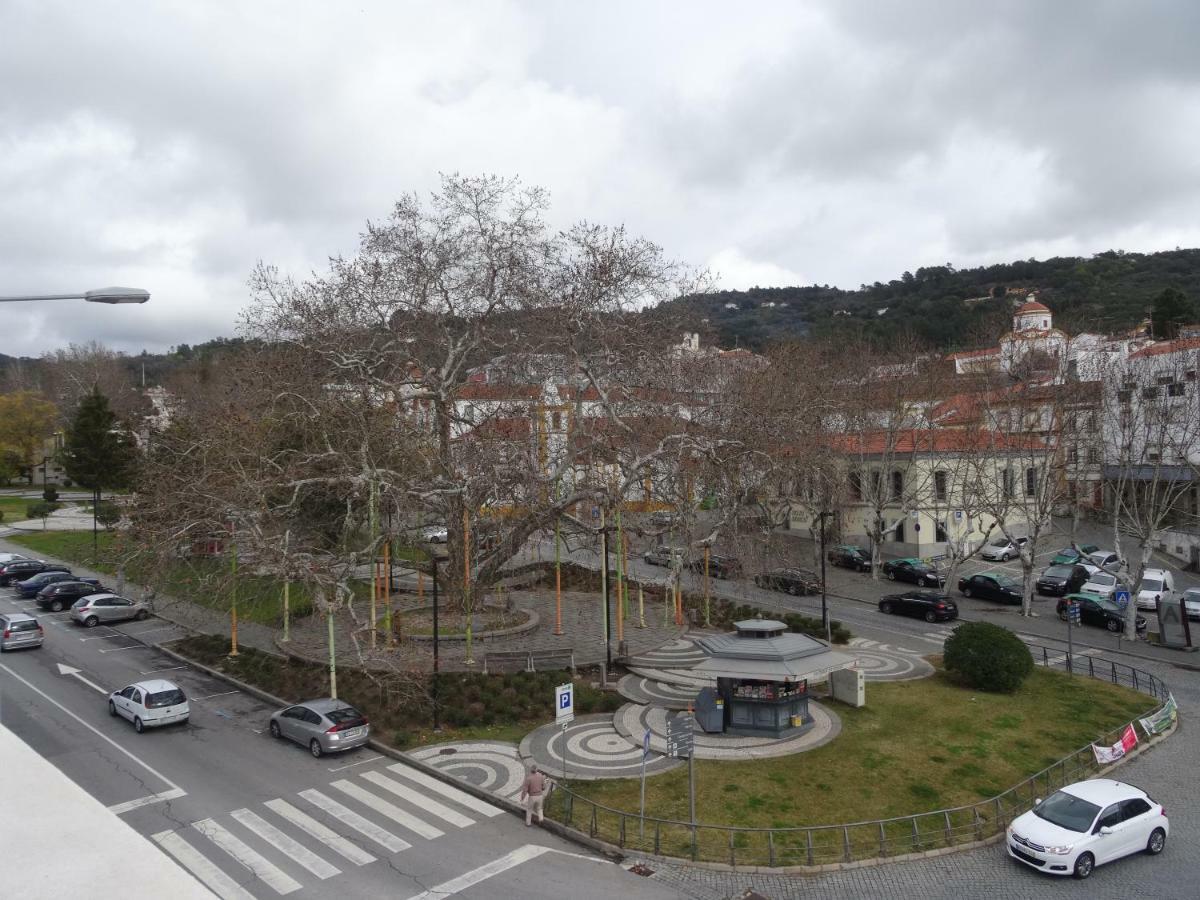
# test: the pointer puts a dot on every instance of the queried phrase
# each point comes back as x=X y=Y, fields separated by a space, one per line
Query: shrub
x=987 y=657
x=39 y=510
x=108 y=513
x=50 y=495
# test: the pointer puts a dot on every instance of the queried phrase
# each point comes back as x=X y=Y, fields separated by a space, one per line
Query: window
x=1111 y=817
x=1008 y=483
x=1030 y=482
x=1132 y=808
x=1150 y=393
x=1165 y=379
x=1177 y=389
x=856 y=492
x=1190 y=375
x=940 y=490
x=1152 y=456
x=897 y=485
x=1073 y=455
x=1124 y=396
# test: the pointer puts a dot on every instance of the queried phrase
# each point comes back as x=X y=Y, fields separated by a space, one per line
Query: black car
x=790 y=581
x=25 y=568
x=932 y=606
x=63 y=594
x=1096 y=610
x=1000 y=588
x=849 y=556
x=718 y=566
x=1058 y=581
x=30 y=586
x=663 y=556
x=913 y=571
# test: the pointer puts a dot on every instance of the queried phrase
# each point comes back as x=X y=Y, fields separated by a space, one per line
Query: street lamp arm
x=99 y=295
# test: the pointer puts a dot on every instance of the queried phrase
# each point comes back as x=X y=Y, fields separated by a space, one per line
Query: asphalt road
x=252 y=817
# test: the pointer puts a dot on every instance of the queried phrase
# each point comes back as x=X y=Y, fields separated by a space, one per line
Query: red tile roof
x=480 y=391
x=1167 y=347
x=1032 y=306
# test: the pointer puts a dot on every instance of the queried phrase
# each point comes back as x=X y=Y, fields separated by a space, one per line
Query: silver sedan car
x=19 y=630
x=323 y=726
x=97 y=608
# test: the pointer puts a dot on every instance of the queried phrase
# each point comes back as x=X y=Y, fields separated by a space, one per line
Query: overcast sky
x=170 y=146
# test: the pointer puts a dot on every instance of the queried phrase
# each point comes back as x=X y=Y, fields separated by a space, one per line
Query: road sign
x=680 y=736
x=564 y=703
x=1121 y=598
x=646 y=744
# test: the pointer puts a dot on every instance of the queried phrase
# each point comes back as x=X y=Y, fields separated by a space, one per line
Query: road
x=252 y=817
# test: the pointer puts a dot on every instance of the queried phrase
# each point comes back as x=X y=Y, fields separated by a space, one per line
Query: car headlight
x=1061 y=851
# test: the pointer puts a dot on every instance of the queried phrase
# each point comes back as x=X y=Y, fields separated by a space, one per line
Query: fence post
x=1045 y=657
x=1135 y=681
x=657 y=833
x=808 y=835
x=916 y=837
x=568 y=806
x=695 y=849
x=621 y=832
x=978 y=823
x=1114 y=672
x=949 y=829
x=846 y=841
x=592 y=824
x=731 y=850
x=1091 y=668
x=999 y=813
x=770 y=848
x=882 y=841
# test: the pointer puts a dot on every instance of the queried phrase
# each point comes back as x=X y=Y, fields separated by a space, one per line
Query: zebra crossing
x=274 y=843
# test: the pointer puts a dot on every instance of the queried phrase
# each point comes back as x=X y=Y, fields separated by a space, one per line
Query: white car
x=1085 y=825
x=1101 y=583
x=6 y=558
x=1156 y=583
x=1191 y=603
x=1106 y=560
x=1003 y=549
x=148 y=704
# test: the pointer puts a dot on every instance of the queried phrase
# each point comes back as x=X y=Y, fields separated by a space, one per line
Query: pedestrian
x=533 y=792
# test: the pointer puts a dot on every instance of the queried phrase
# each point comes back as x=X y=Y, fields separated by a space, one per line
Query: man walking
x=533 y=792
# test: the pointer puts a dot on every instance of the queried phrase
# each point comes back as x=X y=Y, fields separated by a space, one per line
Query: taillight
x=7 y=633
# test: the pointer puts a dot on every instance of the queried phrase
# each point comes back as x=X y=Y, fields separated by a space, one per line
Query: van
x=1156 y=584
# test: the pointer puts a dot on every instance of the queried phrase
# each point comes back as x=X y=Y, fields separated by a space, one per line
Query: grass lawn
x=917 y=746
x=13 y=508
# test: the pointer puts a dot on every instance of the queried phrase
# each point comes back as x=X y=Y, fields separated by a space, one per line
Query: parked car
x=18 y=630
x=63 y=594
x=149 y=704
x=1088 y=824
x=97 y=608
x=914 y=571
x=1095 y=610
x=664 y=556
x=20 y=569
x=6 y=558
x=1058 y=581
x=1101 y=583
x=1156 y=583
x=1107 y=560
x=435 y=534
x=1070 y=555
x=848 y=556
x=718 y=566
x=1004 y=549
x=1191 y=603
x=790 y=581
x=991 y=586
x=323 y=726
x=932 y=606
x=663 y=519
x=30 y=586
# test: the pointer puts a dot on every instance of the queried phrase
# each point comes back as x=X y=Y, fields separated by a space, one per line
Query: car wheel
x=137 y=724
x=314 y=747
x=1062 y=614
x=1113 y=625
x=966 y=592
x=1004 y=557
x=794 y=590
x=885 y=608
x=112 y=708
x=930 y=617
x=56 y=606
x=1158 y=840
x=891 y=576
x=142 y=615
x=91 y=622
x=1084 y=865
x=275 y=732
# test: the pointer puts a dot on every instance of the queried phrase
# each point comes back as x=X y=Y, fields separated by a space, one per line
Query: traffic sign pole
x=645 y=753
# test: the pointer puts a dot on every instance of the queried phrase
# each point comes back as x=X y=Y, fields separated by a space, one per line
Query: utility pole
x=437 y=721
x=824 y=606
x=604 y=587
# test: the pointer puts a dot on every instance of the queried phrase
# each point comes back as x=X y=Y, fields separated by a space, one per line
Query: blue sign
x=646 y=744
x=564 y=703
x=1121 y=598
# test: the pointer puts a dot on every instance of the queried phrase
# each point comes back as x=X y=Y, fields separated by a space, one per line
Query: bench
x=529 y=661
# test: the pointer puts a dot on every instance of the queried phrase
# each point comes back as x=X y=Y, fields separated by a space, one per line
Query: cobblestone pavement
x=495 y=766
x=594 y=749
x=1168 y=773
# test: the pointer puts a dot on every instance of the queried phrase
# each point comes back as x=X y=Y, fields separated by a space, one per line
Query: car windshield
x=1068 y=552
x=347 y=714
x=1108 y=605
x=1059 y=571
x=1192 y=595
x=164 y=698
x=1000 y=543
x=1005 y=582
x=1067 y=811
x=1101 y=578
x=1151 y=584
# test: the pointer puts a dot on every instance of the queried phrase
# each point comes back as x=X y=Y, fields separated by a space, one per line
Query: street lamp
x=99 y=295
x=434 y=559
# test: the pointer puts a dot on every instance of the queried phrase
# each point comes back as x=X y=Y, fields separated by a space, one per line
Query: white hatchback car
x=148 y=704
x=1100 y=583
x=1004 y=550
x=1085 y=825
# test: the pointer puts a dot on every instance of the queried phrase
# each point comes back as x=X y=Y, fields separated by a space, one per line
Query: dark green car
x=1070 y=555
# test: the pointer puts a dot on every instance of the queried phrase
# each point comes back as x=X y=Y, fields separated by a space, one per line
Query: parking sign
x=564 y=703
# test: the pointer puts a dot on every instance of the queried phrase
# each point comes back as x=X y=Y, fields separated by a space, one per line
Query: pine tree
x=98 y=450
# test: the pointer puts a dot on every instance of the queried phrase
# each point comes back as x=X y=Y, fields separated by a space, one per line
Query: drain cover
x=447 y=751
x=641 y=869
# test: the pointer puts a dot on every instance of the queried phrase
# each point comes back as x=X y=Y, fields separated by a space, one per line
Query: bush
x=39 y=510
x=50 y=495
x=987 y=657
x=108 y=513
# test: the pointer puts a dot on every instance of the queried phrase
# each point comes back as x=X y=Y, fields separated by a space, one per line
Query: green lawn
x=14 y=507
x=916 y=746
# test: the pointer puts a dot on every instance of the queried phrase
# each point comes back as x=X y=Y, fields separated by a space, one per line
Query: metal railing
x=846 y=843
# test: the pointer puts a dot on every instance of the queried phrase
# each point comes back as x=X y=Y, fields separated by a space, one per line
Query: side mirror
x=1037 y=802
x=1104 y=829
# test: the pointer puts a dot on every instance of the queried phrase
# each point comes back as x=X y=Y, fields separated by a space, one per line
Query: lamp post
x=437 y=711
x=98 y=295
x=824 y=607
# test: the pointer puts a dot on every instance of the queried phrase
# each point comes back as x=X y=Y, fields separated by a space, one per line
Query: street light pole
x=437 y=722
x=824 y=606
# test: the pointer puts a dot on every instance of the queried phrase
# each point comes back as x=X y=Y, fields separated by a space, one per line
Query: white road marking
x=428 y=804
x=150 y=631
x=120 y=649
x=326 y=836
x=200 y=866
x=369 y=759
x=460 y=797
x=285 y=844
x=221 y=694
x=146 y=801
x=353 y=820
x=167 y=669
x=391 y=810
x=67 y=670
x=263 y=869
x=104 y=637
x=495 y=867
